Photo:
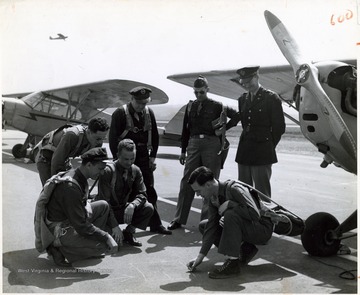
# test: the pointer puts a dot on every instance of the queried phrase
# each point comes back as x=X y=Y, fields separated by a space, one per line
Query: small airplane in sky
x=60 y=37
x=325 y=95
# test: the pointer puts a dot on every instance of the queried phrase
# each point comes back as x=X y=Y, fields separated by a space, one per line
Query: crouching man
x=122 y=186
x=66 y=224
x=235 y=222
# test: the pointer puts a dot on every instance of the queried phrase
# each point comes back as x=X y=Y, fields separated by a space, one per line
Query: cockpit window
x=45 y=103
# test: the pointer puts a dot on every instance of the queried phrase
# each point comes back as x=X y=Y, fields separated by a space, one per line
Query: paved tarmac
x=159 y=266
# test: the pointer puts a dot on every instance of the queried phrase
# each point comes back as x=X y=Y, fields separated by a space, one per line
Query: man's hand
x=224 y=206
x=152 y=164
x=221 y=221
x=219 y=131
x=118 y=235
x=195 y=262
x=112 y=245
x=182 y=158
x=129 y=212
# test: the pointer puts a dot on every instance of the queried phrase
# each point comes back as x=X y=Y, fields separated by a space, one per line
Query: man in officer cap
x=202 y=143
x=263 y=123
x=136 y=121
x=78 y=227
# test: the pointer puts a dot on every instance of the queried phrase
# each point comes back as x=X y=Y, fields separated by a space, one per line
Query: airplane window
x=54 y=106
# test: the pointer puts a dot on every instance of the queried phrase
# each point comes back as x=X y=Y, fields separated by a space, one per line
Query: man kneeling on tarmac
x=235 y=223
x=66 y=224
x=122 y=186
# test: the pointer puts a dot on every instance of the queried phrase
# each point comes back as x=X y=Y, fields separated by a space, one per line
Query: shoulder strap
x=81 y=130
x=250 y=198
x=129 y=122
x=111 y=165
x=190 y=103
x=148 y=127
x=49 y=145
x=133 y=171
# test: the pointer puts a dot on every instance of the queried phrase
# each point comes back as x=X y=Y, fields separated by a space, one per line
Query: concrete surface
x=159 y=266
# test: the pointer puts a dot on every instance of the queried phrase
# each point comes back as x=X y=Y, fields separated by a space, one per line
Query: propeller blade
x=284 y=40
x=306 y=75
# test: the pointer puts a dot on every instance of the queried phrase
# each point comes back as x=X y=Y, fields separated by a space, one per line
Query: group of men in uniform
x=126 y=193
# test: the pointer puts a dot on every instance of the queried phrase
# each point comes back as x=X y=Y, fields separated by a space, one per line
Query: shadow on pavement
x=184 y=238
x=28 y=269
x=250 y=274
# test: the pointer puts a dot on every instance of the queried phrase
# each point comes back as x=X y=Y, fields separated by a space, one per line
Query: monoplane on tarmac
x=60 y=37
x=325 y=96
x=40 y=112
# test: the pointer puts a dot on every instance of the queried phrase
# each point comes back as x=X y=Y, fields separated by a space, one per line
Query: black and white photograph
x=183 y=146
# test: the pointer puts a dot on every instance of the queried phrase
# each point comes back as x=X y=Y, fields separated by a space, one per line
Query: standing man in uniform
x=263 y=124
x=136 y=121
x=202 y=143
x=56 y=147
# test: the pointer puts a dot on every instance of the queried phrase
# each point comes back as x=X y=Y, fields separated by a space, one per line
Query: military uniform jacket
x=129 y=188
x=263 y=124
x=195 y=123
x=118 y=125
x=68 y=202
x=239 y=196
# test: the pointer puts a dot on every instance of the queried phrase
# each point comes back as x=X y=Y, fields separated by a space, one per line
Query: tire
x=18 y=152
x=316 y=236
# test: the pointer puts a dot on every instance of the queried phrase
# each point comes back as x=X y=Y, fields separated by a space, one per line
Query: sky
x=148 y=40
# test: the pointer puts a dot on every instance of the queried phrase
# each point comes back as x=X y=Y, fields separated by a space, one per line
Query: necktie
x=199 y=108
x=251 y=97
x=125 y=176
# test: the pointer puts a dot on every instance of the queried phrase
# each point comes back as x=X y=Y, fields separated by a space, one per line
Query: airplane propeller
x=306 y=75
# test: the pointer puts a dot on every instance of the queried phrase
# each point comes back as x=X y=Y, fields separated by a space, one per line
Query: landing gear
x=18 y=151
x=21 y=150
x=323 y=233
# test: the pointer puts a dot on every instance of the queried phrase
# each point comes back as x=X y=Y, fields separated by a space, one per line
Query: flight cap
x=141 y=94
x=201 y=82
x=247 y=72
x=96 y=154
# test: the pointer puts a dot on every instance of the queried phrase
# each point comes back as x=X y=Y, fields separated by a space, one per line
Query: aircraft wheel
x=317 y=237
x=18 y=152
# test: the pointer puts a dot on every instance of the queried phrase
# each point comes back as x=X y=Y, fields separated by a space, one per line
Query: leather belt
x=201 y=136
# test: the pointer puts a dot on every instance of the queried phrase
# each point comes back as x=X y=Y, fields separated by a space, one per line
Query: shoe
x=174 y=225
x=131 y=240
x=161 y=230
x=231 y=268
x=247 y=252
x=57 y=256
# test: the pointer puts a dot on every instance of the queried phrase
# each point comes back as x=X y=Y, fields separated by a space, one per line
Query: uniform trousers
x=256 y=176
x=200 y=152
x=77 y=247
x=142 y=161
x=43 y=165
x=44 y=168
x=237 y=230
x=141 y=216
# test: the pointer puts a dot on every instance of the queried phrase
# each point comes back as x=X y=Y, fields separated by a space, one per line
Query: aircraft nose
x=8 y=108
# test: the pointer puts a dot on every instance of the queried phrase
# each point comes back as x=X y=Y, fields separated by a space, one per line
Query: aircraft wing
x=84 y=101
x=225 y=83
